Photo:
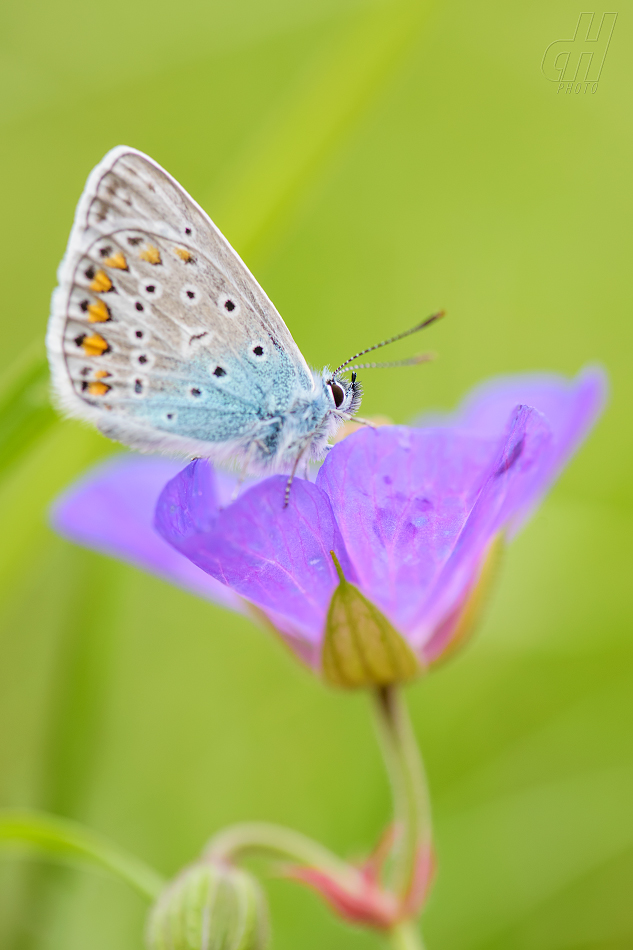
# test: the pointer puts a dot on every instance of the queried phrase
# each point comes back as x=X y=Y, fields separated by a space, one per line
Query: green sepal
x=361 y=648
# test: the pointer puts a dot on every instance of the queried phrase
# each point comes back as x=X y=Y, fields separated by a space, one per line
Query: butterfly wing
x=159 y=334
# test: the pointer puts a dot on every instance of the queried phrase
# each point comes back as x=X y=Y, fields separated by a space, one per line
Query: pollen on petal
x=151 y=254
x=94 y=345
x=183 y=254
x=98 y=312
x=116 y=260
x=101 y=283
x=98 y=389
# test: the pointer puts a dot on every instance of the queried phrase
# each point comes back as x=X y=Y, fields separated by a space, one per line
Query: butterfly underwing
x=161 y=336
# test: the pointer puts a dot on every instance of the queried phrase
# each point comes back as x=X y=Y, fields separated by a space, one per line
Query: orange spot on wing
x=182 y=253
x=94 y=345
x=98 y=312
x=98 y=389
x=101 y=283
x=151 y=254
x=117 y=260
x=101 y=373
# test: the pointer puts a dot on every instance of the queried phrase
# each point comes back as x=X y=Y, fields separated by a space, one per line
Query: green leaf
x=25 y=409
x=69 y=841
x=361 y=648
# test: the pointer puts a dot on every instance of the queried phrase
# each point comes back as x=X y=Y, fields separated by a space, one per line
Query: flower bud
x=209 y=906
x=361 y=648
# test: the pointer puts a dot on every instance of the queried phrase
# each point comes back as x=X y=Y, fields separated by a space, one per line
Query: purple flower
x=410 y=513
x=111 y=510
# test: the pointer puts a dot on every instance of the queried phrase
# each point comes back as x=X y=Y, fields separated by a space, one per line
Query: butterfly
x=161 y=336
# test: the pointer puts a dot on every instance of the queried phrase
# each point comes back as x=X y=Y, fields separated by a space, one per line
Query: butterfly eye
x=338 y=394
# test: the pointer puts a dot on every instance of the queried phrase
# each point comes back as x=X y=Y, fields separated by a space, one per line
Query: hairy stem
x=248 y=838
x=406 y=936
x=412 y=813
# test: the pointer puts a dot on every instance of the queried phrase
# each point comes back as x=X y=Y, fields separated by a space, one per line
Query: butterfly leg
x=292 y=475
x=363 y=422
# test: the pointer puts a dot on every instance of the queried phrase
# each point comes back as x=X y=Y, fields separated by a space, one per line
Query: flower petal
x=515 y=472
x=111 y=510
x=570 y=406
x=401 y=497
x=278 y=558
x=418 y=509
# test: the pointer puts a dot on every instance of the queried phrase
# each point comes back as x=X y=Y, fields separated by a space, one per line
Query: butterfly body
x=161 y=336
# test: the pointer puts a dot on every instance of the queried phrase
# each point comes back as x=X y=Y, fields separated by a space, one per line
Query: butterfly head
x=345 y=395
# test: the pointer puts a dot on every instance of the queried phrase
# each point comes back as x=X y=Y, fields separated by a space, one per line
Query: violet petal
x=401 y=497
x=279 y=559
x=514 y=475
x=570 y=406
x=111 y=510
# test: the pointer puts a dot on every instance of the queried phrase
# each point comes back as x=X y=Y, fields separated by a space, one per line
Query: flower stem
x=406 y=936
x=237 y=841
x=412 y=812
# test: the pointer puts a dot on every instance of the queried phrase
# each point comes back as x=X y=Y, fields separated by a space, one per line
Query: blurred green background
x=372 y=162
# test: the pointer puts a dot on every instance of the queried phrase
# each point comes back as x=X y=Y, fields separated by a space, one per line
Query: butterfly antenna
x=411 y=361
x=399 y=336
